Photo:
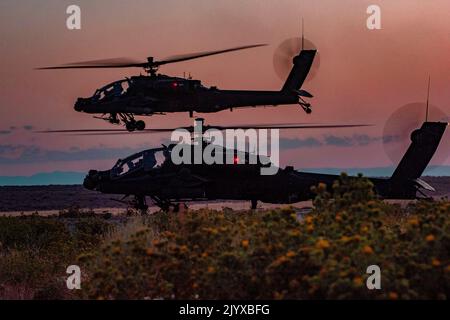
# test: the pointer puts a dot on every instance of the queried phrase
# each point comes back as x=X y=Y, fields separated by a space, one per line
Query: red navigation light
x=236 y=160
x=174 y=84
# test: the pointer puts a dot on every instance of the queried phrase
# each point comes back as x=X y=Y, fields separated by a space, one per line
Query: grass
x=35 y=252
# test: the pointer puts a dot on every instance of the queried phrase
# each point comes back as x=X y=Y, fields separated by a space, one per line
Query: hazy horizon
x=76 y=177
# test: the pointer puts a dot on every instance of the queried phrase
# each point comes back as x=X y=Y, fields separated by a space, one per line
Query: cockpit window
x=128 y=165
x=112 y=90
x=146 y=160
x=160 y=157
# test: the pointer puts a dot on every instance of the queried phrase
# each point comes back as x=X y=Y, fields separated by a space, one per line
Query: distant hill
x=70 y=178
x=40 y=179
x=432 y=171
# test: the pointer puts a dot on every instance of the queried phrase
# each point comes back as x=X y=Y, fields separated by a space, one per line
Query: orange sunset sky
x=364 y=76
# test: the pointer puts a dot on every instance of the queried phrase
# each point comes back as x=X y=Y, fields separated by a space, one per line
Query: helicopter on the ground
x=152 y=173
x=151 y=94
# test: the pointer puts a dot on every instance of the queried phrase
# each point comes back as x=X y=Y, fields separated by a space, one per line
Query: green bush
x=35 y=252
x=32 y=232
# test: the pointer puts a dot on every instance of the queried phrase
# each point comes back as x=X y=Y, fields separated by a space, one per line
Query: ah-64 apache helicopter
x=153 y=173
x=154 y=93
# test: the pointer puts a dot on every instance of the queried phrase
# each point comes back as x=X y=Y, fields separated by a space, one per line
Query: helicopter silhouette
x=151 y=94
x=152 y=173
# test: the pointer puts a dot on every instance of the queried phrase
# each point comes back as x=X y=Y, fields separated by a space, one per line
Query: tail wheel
x=306 y=107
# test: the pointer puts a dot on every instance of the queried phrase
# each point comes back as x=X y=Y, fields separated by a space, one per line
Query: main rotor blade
x=190 y=56
x=80 y=130
x=113 y=61
x=104 y=63
x=287 y=126
x=319 y=126
x=130 y=63
x=109 y=131
x=155 y=129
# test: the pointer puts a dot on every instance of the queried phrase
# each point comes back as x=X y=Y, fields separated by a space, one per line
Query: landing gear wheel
x=308 y=110
x=140 y=125
x=130 y=126
x=254 y=204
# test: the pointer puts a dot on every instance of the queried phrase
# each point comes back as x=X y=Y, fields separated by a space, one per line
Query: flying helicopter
x=145 y=95
x=152 y=173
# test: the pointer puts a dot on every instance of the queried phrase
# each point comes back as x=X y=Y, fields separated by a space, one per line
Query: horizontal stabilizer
x=304 y=93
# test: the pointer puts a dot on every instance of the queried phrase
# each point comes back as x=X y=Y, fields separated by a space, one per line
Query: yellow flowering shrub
x=282 y=254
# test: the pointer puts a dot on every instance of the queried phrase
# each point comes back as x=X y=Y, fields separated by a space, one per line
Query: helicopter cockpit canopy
x=113 y=90
x=145 y=160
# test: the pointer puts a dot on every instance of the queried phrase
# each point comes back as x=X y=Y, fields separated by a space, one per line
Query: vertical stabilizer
x=300 y=70
x=424 y=143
